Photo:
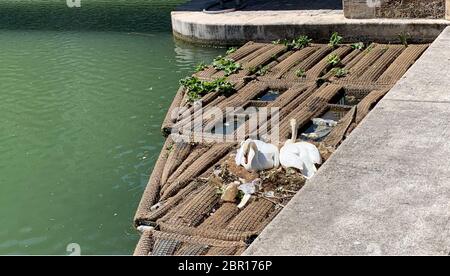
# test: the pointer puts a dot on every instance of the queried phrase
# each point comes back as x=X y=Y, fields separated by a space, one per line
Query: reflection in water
x=117 y=15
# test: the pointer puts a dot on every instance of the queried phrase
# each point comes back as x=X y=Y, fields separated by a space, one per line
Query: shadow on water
x=263 y=5
x=93 y=15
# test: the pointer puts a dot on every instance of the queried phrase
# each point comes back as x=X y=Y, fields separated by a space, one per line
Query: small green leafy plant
x=240 y=195
x=281 y=42
x=300 y=73
x=196 y=88
x=335 y=40
x=200 y=67
x=357 y=46
x=228 y=65
x=231 y=50
x=262 y=70
x=404 y=37
x=333 y=60
x=339 y=72
x=295 y=44
x=259 y=70
x=301 y=42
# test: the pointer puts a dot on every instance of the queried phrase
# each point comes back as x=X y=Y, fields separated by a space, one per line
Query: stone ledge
x=264 y=26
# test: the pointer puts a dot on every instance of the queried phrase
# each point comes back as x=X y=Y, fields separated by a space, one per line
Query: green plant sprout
x=196 y=88
x=295 y=44
x=200 y=67
x=300 y=73
x=228 y=65
x=301 y=42
x=335 y=40
x=231 y=50
x=333 y=60
x=404 y=37
x=339 y=72
x=357 y=46
x=262 y=70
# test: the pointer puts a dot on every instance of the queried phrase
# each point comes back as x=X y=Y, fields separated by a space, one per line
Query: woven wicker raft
x=182 y=201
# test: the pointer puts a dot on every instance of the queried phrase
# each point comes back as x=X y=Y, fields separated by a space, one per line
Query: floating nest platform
x=181 y=202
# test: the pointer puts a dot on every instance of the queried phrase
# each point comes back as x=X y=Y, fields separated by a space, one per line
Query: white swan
x=301 y=155
x=255 y=155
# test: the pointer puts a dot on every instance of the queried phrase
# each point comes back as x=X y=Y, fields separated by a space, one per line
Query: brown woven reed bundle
x=206 y=74
x=256 y=54
x=249 y=92
x=200 y=165
x=322 y=66
x=223 y=251
x=312 y=107
x=165 y=247
x=371 y=56
x=221 y=217
x=210 y=170
x=238 y=99
x=262 y=59
x=168 y=239
x=378 y=67
x=367 y=103
x=169 y=121
x=170 y=204
x=192 y=250
x=351 y=57
x=239 y=56
x=196 y=217
x=197 y=209
x=337 y=135
x=339 y=110
x=190 y=115
x=245 y=50
x=349 y=63
x=177 y=155
x=286 y=102
x=399 y=67
x=252 y=216
x=160 y=243
x=220 y=234
x=308 y=63
x=195 y=154
x=294 y=59
x=145 y=244
x=151 y=193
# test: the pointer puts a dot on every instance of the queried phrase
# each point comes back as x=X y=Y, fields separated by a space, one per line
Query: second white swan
x=255 y=155
x=302 y=155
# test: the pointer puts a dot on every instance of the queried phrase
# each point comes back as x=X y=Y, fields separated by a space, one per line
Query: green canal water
x=82 y=97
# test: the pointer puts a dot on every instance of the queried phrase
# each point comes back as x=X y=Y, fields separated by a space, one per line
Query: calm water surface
x=80 y=113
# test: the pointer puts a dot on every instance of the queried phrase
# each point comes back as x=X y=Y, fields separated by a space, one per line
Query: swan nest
x=278 y=185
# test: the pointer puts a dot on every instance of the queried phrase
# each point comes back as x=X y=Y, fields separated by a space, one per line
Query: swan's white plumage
x=260 y=155
x=302 y=155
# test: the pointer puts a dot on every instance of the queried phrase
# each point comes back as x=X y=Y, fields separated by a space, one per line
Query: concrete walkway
x=387 y=188
x=271 y=20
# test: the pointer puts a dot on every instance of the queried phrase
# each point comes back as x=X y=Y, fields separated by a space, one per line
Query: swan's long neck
x=293 y=130
x=250 y=153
